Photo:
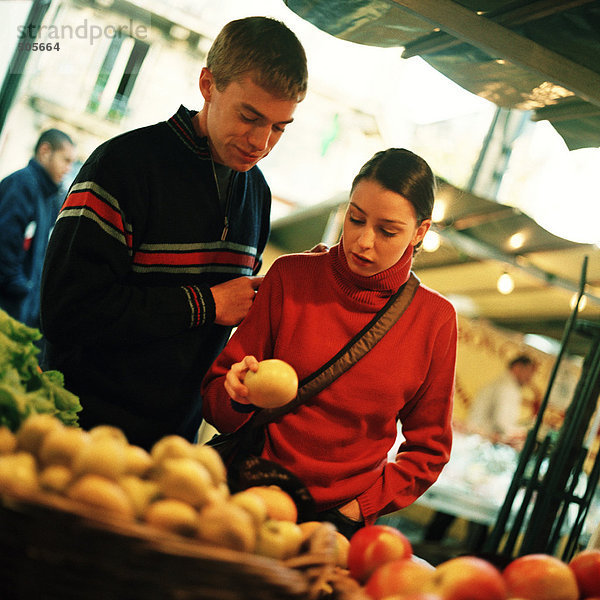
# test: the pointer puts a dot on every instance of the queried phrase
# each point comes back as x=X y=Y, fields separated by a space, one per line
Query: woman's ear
x=422 y=229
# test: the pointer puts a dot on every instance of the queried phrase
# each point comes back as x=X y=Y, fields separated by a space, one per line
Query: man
x=152 y=258
x=496 y=410
x=495 y=415
x=28 y=208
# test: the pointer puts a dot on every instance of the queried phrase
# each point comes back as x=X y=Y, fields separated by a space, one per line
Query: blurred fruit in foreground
x=373 y=546
x=400 y=576
x=468 y=578
x=280 y=505
x=101 y=493
x=172 y=515
x=586 y=567
x=540 y=577
x=279 y=539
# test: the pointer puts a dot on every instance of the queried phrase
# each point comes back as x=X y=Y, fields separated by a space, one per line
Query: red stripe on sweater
x=98 y=205
x=194 y=258
x=192 y=292
x=186 y=134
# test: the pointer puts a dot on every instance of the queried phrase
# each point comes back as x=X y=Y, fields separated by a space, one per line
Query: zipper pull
x=225 y=229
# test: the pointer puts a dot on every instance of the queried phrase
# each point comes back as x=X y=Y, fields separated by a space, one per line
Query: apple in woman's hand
x=274 y=384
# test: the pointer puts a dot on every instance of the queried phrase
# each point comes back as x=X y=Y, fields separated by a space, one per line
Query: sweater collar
x=181 y=123
x=369 y=290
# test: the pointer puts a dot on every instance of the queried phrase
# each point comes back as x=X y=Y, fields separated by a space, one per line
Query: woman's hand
x=234 y=380
x=352 y=510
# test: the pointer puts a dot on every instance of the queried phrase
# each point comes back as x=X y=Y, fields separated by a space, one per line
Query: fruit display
x=384 y=564
x=174 y=496
x=24 y=388
x=177 y=487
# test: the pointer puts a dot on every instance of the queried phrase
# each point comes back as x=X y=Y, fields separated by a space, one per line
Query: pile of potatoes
x=177 y=487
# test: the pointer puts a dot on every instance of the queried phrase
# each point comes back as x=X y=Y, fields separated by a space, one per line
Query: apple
x=253 y=504
x=8 y=440
x=172 y=515
x=105 y=456
x=586 y=566
x=103 y=494
x=278 y=539
x=280 y=505
x=211 y=460
x=373 y=546
x=186 y=480
x=274 y=384
x=227 y=525
x=401 y=576
x=171 y=446
x=18 y=474
x=33 y=429
x=415 y=596
x=468 y=578
x=137 y=461
x=540 y=577
x=61 y=445
x=342 y=546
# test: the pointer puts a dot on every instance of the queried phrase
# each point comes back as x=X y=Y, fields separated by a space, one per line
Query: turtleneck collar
x=372 y=290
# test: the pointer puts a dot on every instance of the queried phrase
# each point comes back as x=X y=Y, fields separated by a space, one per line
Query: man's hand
x=234 y=298
x=318 y=248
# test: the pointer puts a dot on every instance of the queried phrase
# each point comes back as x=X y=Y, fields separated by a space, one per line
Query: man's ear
x=44 y=152
x=206 y=83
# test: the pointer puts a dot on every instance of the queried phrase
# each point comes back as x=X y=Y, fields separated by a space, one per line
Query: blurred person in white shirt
x=496 y=410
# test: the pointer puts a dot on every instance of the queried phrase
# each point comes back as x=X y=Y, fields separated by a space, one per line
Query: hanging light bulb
x=505 y=283
x=516 y=240
x=582 y=302
x=439 y=211
x=431 y=241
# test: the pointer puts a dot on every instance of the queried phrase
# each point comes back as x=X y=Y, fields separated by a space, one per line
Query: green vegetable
x=24 y=388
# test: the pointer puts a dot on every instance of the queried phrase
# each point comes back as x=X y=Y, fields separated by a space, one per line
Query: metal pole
x=16 y=67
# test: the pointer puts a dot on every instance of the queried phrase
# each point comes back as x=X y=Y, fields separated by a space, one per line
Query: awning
x=541 y=56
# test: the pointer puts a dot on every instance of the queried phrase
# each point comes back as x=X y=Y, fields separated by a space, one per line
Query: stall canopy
x=541 y=56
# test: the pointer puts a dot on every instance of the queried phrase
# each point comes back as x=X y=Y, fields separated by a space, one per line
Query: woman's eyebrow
x=392 y=221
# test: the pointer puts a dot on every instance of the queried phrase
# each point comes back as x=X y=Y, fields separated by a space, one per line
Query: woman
x=308 y=307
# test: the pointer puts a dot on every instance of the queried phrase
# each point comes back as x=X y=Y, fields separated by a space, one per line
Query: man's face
x=56 y=162
x=243 y=122
x=524 y=373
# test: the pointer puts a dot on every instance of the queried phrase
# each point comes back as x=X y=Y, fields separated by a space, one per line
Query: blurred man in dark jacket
x=28 y=209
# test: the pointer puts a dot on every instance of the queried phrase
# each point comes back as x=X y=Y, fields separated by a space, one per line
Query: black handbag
x=240 y=449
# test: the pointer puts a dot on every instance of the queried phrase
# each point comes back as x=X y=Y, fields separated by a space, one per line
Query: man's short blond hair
x=266 y=50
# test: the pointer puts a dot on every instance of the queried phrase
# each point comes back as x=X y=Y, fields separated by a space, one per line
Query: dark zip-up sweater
x=126 y=304
x=28 y=207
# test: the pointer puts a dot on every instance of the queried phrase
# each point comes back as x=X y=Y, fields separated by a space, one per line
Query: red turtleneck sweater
x=308 y=307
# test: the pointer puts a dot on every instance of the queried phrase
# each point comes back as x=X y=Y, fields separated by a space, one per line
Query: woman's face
x=378 y=227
